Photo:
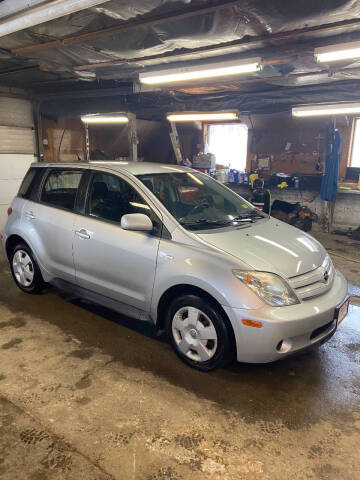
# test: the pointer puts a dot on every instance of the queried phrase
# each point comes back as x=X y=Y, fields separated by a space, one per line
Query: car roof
x=135 y=168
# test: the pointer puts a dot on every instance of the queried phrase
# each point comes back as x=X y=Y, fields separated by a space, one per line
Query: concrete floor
x=86 y=394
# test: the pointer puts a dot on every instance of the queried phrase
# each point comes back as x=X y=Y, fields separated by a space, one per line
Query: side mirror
x=137 y=222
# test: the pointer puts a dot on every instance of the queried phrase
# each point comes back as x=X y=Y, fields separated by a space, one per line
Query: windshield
x=199 y=202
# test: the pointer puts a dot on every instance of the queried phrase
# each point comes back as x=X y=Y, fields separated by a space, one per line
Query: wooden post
x=174 y=137
x=132 y=136
x=331 y=209
x=87 y=144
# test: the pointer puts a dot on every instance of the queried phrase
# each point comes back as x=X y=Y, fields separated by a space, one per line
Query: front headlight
x=269 y=287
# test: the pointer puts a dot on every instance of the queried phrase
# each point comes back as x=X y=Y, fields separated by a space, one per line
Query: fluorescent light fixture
x=201 y=116
x=220 y=69
x=336 y=53
x=332 y=109
x=113 y=118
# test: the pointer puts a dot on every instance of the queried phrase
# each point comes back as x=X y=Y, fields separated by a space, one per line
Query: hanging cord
x=61 y=139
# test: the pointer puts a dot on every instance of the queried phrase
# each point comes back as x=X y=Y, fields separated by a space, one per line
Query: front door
x=110 y=261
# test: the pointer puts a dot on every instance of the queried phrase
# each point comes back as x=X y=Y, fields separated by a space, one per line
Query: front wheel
x=25 y=270
x=198 y=333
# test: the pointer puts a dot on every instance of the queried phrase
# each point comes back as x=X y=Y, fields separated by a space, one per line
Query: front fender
x=207 y=269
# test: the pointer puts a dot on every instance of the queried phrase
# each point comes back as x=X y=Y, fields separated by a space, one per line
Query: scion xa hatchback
x=172 y=246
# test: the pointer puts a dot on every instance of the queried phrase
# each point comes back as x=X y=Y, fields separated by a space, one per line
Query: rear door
x=49 y=220
x=110 y=261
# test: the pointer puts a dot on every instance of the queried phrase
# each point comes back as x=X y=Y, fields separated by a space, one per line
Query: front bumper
x=287 y=330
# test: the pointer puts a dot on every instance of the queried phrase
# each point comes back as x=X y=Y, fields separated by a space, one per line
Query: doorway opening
x=355 y=153
x=228 y=142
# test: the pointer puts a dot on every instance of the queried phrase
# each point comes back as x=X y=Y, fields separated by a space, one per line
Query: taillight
x=9 y=211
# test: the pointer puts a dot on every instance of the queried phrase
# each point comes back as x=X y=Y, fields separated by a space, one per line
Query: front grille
x=314 y=283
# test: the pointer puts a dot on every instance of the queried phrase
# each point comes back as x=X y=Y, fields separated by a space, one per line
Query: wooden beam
x=125 y=26
x=91 y=93
x=14 y=95
x=268 y=80
x=124 y=61
x=221 y=48
x=116 y=91
x=18 y=69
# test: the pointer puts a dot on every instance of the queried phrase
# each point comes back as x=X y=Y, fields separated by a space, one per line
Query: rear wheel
x=198 y=333
x=25 y=270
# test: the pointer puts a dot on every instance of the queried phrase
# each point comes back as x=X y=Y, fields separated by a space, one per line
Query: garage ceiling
x=97 y=54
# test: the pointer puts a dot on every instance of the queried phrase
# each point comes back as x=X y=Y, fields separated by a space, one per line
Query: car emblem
x=326 y=276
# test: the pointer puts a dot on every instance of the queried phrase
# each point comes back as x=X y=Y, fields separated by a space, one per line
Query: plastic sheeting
x=230 y=23
x=298 y=79
x=154 y=106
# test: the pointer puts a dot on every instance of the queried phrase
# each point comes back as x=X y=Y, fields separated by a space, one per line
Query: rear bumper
x=287 y=330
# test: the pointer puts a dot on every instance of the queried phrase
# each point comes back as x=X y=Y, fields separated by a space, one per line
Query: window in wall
x=228 y=142
x=355 y=152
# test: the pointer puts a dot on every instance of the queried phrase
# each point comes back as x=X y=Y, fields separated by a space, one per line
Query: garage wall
x=65 y=138
x=270 y=134
x=17 y=148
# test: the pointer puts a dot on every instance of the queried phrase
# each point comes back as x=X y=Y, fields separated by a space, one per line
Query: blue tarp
x=330 y=179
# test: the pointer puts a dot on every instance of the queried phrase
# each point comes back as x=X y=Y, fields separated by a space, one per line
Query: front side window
x=61 y=187
x=199 y=202
x=111 y=197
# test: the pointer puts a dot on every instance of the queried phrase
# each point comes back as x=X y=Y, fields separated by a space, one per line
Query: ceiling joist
x=109 y=59
x=124 y=27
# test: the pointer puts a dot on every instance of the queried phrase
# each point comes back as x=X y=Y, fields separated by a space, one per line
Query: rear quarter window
x=27 y=184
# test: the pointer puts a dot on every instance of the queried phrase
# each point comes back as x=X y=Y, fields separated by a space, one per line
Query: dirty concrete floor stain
x=88 y=394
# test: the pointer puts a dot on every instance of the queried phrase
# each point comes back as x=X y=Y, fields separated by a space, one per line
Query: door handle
x=29 y=214
x=82 y=233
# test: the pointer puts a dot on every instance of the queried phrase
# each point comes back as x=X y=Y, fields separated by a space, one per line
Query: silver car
x=172 y=246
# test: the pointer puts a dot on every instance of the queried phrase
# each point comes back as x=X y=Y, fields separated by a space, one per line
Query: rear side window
x=61 y=187
x=27 y=183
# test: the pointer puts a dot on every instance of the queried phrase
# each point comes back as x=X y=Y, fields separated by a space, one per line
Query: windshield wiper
x=248 y=217
x=205 y=221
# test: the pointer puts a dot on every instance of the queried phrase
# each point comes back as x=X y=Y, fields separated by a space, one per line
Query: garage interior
x=86 y=393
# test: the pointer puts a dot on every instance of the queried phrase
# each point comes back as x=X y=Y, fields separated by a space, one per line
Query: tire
x=25 y=270
x=199 y=334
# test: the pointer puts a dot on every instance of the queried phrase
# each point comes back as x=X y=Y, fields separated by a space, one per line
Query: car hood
x=270 y=245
